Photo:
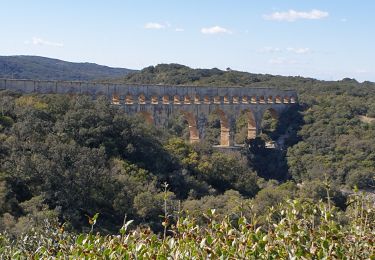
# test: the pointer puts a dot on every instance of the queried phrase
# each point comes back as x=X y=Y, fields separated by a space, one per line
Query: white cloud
x=42 y=42
x=154 y=26
x=343 y=20
x=215 y=30
x=277 y=61
x=299 y=50
x=281 y=61
x=179 y=30
x=270 y=49
x=290 y=49
x=293 y=15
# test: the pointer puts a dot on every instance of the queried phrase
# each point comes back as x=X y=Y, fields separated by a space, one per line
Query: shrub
x=293 y=229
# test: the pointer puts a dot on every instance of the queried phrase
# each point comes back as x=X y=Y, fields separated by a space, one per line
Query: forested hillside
x=35 y=67
x=331 y=140
x=65 y=158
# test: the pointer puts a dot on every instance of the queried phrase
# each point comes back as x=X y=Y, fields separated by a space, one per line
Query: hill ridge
x=44 y=68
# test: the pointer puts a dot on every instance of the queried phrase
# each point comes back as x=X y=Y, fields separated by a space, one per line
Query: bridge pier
x=194 y=139
x=226 y=138
x=252 y=132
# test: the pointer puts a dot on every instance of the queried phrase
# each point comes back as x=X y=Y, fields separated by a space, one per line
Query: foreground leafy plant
x=295 y=229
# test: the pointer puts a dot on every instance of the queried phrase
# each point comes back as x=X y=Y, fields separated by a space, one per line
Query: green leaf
x=79 y=239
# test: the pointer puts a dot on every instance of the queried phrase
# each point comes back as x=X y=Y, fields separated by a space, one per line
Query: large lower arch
x=246 y=126
x=147 y=116
x=225 y=136
x=251 y=125
x=193 y=129
x=273 y=113
x=269 y=120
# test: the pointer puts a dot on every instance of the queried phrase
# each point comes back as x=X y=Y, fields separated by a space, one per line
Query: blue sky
x=316 y=38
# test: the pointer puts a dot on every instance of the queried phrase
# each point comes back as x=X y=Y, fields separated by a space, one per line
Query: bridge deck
x=166 y=94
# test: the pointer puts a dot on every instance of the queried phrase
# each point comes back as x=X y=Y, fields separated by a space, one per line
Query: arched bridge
x=157 y=103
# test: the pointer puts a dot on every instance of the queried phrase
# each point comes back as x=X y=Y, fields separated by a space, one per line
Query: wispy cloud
x=278 y=60
x=179 y=30
x=215 y=30
x=343 y=20
x=361 y=71
x=299 y=50
x=289 y=49
x=270 y=50
x=281 y=61
x=154 y=26
x=292 y=15
x=42 y=42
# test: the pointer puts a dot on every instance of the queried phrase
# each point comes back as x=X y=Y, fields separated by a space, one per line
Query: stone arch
x=176 y=99
x=253 y=99
x=187 y=100
x=165 y=99
x=269 y=122
x=270 y=99
x=273 y=113
x=251 y=125
x=142 y=99
x=197 y=99
x=154 y=100
x=278 y=100
x=225 y=138
x=226 y=100
x=207 y=100
x=193 y=129
x=147 y=116
x=217 y=100
x=262 y=100
x=129 y=99
x=292 y=99
x=286 y=100
x=115 y=99
x=245 y=100
x=246 y=126
x=236 y=100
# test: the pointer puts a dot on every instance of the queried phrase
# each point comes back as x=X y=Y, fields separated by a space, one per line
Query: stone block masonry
x=157 y=103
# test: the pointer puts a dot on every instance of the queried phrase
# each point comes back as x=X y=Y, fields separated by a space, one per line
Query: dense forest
x=65 y=158
x=42 y=68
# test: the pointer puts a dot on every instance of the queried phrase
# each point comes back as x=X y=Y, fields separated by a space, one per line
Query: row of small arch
x=176 y=99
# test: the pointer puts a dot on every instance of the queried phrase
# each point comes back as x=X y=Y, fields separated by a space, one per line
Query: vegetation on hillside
x=326 y=138
x=41 y=68
x=70 y=157
x=65 y=158
x=293 y=229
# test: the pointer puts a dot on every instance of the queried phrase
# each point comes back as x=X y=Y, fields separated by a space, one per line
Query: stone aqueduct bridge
x=159 y=102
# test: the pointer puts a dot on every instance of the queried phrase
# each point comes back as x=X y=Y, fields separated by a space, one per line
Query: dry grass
x=366 y=119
